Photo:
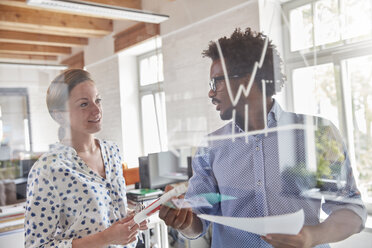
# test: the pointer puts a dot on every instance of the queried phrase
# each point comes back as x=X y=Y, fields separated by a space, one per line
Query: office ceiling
x=34 y=33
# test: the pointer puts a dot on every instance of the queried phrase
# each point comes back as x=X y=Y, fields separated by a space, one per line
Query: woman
x=76 y=191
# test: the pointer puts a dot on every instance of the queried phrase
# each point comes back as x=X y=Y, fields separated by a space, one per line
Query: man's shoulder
x=299 y=118
x=225 y=129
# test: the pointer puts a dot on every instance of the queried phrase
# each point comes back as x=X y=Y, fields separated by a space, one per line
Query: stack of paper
x=11 y=217
x=283 y=224
x=144 y=194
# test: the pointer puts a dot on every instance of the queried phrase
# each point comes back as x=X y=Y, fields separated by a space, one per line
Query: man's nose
x=211 y=93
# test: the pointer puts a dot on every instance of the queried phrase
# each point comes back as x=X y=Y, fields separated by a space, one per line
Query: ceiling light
x=102 y=10
x=35 y=66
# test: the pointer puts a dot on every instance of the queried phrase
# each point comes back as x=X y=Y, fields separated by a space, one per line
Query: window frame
x=150 y=89
x=317 y=56
x=317 y=50
x=21 y=92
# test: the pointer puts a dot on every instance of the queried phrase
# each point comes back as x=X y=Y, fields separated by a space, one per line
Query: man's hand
x=340 y=225
x=301 y=240
x=180 y=219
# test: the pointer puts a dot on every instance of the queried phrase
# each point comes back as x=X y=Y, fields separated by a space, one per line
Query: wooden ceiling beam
x=41 y=39
x=27 y=56
x=48 y=22
x=75 y=62
x=33 y=49
x=135 y=34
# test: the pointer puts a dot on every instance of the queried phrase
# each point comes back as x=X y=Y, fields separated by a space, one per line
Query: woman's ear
x=61 y=117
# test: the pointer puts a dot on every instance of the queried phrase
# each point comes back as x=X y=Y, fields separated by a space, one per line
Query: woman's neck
x=81 y=143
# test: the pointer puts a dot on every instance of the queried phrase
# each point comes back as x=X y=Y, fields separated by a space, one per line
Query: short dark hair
x=240 y=52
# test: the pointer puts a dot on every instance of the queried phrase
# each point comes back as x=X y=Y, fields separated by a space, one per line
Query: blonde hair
x=59 y=92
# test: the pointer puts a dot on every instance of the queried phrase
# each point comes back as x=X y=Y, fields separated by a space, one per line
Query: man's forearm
x=338 y=226
x=195 y=229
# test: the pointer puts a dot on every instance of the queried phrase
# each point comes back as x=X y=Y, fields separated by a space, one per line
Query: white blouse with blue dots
x=67 y=200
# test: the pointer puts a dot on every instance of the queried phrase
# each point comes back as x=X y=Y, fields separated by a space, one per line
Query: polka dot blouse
x=67 y=200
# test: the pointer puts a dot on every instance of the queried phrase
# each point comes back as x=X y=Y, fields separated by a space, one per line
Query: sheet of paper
x=283 y=224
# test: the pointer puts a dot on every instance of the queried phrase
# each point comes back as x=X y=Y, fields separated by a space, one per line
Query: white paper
x=281 y=224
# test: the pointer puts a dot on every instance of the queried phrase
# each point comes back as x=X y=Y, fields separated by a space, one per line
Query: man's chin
x=225 y=116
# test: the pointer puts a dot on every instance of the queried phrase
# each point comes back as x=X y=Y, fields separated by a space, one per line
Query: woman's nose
x=96 y=108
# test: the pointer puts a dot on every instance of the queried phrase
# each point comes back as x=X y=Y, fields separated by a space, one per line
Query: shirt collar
x=275 y=112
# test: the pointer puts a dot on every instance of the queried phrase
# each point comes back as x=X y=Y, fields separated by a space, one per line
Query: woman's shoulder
x=56 y=155
x=110 y=145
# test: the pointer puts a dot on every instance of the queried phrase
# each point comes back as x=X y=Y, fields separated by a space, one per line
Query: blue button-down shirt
x=267 y=173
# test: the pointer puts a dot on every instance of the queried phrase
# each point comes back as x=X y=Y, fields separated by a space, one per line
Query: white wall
x=185 y=12
x=43 y=128
x=130 y=109
x=270 y=14
x=105 y=74
x=190 y=114
x=187 y=33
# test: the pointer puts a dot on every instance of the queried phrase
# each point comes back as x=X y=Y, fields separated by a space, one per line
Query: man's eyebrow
x=218 y=77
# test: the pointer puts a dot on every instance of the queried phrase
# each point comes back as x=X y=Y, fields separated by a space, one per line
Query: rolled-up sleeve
x=202 y=182
x=348 y=195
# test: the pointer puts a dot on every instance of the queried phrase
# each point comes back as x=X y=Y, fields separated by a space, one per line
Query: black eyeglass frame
x=213 y=81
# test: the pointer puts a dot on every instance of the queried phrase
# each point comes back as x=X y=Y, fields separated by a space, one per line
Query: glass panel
x=151 y=69
x=326 y=22
x=160 y=68
x=359 y=73
x=149 y=124
x=161 y=112
x=14 y=133
x=144 y=68
x=314 y=91
x=301 y=28
x=356 y=18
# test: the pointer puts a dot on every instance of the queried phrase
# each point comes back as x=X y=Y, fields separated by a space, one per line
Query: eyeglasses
x=213 y=82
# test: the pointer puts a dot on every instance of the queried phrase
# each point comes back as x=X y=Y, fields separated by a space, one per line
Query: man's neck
x=255 y=115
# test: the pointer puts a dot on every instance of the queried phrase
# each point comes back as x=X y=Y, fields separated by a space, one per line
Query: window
x=320 y=81
x=15 y=137
x=152 y=99
x=327 y=23
x=359 y=79
x=328 y=54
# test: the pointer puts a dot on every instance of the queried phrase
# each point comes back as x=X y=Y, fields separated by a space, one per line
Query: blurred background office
x=148 y=68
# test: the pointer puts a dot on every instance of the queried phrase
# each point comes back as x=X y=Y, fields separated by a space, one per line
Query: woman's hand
x=143 y=225
x=122 y=232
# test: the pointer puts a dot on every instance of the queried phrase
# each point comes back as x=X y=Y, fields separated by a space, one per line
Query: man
x=262 y=161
